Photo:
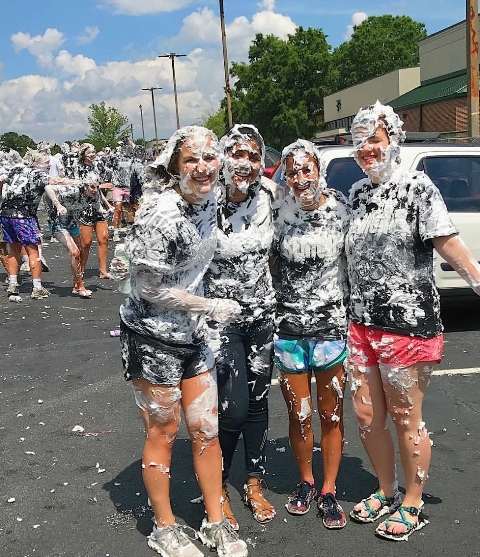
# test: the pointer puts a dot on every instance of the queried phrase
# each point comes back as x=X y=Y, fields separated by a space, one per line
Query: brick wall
x=443 y=116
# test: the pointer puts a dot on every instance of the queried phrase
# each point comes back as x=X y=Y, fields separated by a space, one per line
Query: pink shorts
x=120 y=195
x=369 y=347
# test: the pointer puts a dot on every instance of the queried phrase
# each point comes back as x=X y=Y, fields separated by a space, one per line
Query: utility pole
x=225 y=66
x=152 y=89
x=472 y=68
x=172 y=57
x=141 y=119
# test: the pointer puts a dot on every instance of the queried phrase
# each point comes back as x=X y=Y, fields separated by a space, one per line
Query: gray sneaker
x=223 y=538
x=172 y=541
x=39 y=293
x=13 y=289
x=25 y=267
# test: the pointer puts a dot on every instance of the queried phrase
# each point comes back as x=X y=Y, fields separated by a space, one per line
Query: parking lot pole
x=472 y=68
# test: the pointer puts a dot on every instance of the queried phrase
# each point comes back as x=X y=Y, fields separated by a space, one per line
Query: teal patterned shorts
x=299 y=356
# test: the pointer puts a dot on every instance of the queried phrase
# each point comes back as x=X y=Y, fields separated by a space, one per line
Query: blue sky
x=59 y=57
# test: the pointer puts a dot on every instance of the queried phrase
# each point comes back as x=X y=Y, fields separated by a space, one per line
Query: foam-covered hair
x=241 y=133
x=304 y=147
x=160 y=172
x=369 y=118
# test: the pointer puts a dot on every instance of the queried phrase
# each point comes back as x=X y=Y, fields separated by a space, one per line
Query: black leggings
x=244 y=369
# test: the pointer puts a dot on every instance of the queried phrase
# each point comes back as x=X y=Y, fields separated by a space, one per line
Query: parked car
x=272 y=160
x=453 y=167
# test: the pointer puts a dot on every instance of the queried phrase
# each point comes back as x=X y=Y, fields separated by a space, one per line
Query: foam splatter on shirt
x=390 y=255
x=175 y=241
x=22 y=191
x=240 y=269
x=311 y=280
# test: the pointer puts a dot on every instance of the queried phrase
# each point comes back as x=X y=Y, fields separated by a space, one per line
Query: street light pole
x=152 y=89
x=472 y=69
x=172 y=57
x=225 y=66
x=141 y=119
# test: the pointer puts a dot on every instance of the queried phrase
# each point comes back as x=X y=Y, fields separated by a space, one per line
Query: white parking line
x=463 y=371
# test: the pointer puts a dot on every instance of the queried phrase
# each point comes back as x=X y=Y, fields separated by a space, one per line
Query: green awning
x=431 y=92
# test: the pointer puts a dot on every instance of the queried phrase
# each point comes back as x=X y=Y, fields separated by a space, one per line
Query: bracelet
x=212 y=306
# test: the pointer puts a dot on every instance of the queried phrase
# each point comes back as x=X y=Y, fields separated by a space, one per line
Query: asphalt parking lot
x=72 y=440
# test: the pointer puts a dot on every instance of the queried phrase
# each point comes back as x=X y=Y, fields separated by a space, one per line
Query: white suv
x=453 y=168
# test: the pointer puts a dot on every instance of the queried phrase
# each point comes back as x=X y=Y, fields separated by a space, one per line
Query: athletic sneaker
x=172 y=541
x=25 y=267
x=116 y=236
x=299 y=501
x=39 y=293
x=223 y=538
x=45 y=267
x=13 y=289
x=331 y=512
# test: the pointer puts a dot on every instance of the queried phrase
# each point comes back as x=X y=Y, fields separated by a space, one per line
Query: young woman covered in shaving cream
x=68 y=200
x=395 y=335
x=164 y=335
x=311 y=323
x=240 y=271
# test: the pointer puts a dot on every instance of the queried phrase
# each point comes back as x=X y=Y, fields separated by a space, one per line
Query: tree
x=379 y=45
x=217 y=122
x=282 y=87
x=20 y=143
x=107 y=126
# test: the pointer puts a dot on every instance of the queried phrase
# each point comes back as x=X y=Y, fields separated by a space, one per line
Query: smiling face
x=302 y=177
x=89 y=156
x=372 y=149
x=198 y=168
x=243 y=163
x=91 y=189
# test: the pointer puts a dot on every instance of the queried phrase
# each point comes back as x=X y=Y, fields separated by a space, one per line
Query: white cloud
x=40 y=46
x=73 y=65
x=56 y=108
x=268 y=5
x=89 y=35
x=142 y=7
x=357 y=19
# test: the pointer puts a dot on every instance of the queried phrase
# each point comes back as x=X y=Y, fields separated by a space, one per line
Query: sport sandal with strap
x=227 y=509
x=410 y=526
x=387 y=505
x=254 y=499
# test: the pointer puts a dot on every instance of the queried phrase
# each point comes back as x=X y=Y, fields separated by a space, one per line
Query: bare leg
x=199 y=400
x=34 y=261
x=4 y=256
x=13 y=258
x=405 y=399
x=296 y=389
x=86 y=234
x=161 y=412
x=73 y=247
x=370 y=407
x=101 y=231
x=330 y=391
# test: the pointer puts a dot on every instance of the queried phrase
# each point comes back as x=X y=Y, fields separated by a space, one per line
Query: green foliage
x=20 y=143
x=281 y=90
x=217 y=122
x=107 y=126
x=379 y=45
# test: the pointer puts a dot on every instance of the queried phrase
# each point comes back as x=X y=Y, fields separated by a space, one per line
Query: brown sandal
x=253 y=498
x=227 y=510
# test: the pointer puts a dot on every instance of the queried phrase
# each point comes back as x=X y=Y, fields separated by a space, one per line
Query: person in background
x=240 y=271
x=121 y=166
x=311 y=323
x=68 y=201
x=164 y=336
x=22 y=190
x=93 y=218
x=395 y=334
x=137 y=176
